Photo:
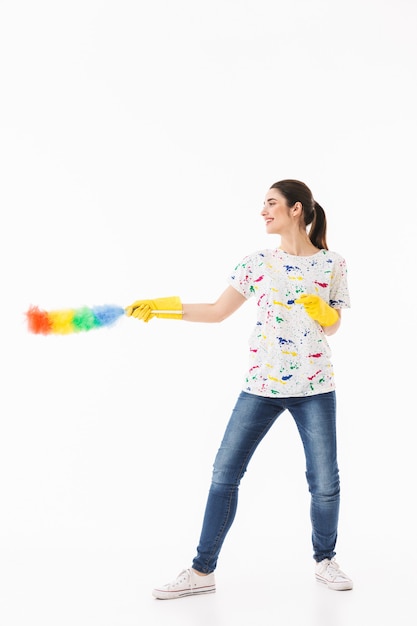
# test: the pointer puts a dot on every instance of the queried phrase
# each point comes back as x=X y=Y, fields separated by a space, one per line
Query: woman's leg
x=315 y=417
x=251 y=419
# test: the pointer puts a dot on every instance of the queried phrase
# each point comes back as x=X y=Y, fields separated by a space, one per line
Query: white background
x=138 y=140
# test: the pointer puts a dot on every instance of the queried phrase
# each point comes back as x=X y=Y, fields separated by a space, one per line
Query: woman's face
x=276 y=212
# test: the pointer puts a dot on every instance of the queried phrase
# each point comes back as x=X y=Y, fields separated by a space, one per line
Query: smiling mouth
x=269 y=220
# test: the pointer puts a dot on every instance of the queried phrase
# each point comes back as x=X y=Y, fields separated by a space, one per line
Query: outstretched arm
x=228 y=302
x=173 y=308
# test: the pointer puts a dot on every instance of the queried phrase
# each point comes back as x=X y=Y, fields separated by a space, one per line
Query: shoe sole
x=347 y=586
x=161 y=595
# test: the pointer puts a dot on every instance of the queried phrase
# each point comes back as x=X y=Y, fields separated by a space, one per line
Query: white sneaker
x=187 y=583
x=329 y=573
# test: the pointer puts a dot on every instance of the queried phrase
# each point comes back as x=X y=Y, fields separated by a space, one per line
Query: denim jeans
x=252 y=417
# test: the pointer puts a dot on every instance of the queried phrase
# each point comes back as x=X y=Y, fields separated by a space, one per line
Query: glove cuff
x=168 y=308
x=331 y=316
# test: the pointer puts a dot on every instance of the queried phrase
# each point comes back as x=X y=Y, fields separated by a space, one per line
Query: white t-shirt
x=289 y=352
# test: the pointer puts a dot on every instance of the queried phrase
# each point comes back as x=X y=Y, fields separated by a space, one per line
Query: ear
x=297 y=208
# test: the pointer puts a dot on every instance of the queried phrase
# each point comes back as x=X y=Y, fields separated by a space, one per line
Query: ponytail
x=317 y=233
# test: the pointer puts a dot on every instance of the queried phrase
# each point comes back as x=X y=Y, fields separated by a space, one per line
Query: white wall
x=137 y=142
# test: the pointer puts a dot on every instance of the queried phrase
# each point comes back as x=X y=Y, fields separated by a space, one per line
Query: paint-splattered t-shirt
x=289 y=352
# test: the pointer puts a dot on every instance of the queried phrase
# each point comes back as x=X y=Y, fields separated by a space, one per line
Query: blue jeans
x=252 y=417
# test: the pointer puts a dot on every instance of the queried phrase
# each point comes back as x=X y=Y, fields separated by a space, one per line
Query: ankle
x=198 y=573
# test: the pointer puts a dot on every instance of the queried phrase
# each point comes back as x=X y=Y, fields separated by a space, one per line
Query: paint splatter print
x=288 y=351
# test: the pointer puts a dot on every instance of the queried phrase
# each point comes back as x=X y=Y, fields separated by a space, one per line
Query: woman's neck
x=298 y=246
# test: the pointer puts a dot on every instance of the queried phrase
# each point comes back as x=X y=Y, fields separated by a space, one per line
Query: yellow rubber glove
x=166 y=308
x=318 y=309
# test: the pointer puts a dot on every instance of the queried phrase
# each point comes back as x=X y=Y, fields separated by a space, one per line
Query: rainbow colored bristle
x=66 y=321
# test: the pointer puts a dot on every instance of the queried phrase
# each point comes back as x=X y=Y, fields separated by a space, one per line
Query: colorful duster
x=66 y=321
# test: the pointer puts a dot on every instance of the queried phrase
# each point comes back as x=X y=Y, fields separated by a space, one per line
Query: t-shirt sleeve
x=339 y=290
x=242 y=277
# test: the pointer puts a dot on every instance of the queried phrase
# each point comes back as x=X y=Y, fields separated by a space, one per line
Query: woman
x=300 y=288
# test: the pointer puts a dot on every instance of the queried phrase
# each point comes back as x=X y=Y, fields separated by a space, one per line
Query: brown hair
x=296 y=191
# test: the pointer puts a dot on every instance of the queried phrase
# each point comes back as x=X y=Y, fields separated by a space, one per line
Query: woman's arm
x=330 y=330
x=229 y=301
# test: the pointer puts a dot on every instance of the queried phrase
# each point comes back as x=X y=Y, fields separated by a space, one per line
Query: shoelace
x=334 y=570
x=182 y=577
x=333 y=567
